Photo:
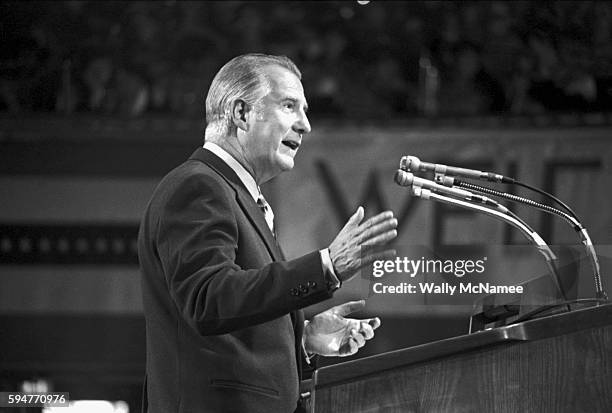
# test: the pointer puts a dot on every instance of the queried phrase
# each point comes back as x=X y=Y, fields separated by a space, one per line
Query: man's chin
x=287 y=166
x=286 y=162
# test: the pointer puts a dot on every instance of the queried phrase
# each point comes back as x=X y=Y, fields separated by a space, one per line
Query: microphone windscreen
x=410 y=163
x=403 y=178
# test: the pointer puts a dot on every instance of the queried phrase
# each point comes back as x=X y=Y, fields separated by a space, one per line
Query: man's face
x=275 y=126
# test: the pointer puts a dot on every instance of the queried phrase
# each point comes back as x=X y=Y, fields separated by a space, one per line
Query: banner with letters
x=68 y=225
x=338 y=170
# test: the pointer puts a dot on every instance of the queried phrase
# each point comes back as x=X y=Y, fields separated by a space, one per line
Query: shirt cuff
x=333 y=282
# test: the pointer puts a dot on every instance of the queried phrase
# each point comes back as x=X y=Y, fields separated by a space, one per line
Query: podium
x=560 y=363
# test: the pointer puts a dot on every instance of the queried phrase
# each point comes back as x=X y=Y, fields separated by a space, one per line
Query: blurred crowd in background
x=377 y=60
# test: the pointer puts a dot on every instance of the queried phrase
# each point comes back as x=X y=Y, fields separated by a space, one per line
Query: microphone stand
x=600 y=293
x=534 y=237
x=408 y=163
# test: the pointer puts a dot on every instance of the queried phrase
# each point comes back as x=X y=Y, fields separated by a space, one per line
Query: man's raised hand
x=346 y=251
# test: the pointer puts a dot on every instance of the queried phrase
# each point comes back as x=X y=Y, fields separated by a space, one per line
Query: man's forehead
x=284 y=83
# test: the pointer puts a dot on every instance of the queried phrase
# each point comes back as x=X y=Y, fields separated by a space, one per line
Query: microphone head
x=410 y=163
x=403 y=178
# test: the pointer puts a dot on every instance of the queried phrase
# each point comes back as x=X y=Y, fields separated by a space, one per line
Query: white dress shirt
x=249 y=182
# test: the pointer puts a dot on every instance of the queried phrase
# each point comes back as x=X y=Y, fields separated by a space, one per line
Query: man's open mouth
x=291 y=144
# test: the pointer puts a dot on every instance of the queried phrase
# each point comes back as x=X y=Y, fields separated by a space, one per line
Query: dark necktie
x=268 y=214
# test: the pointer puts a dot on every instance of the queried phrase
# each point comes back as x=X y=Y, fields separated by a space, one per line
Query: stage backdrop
x=338 y=170
x=70 y=205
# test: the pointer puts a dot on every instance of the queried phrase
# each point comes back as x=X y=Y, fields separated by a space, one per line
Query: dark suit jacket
x=222 y=307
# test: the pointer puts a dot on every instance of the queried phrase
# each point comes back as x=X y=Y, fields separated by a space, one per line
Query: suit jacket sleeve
x=197 y=241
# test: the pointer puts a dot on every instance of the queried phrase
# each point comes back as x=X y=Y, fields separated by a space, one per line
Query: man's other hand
x=331 y=334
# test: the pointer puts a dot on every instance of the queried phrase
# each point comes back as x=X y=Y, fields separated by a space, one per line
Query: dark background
x=373 y=60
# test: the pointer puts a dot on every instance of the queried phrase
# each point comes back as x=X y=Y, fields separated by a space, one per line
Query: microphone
x=413 y=164
x=425 y=189
x=403 y=178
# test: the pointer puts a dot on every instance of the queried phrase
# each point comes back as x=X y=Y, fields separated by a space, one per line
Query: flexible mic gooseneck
x=445 y=175
x=600 y=293
x=403 y=178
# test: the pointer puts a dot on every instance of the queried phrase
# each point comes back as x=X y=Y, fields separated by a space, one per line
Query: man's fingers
x=384 y=226
x=376 y=219
x=355 y=335
x=352 y=347
x=356 y=218
x=381 y=238
x=374 y=322
x=349 y=307
x=366 y=329
x=349 y=348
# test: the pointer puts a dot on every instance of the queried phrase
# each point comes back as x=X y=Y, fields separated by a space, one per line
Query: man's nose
x=302 y=125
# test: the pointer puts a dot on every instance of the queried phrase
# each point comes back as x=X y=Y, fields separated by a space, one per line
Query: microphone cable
x=572 y=220
x=575 y=222
x=513 y=181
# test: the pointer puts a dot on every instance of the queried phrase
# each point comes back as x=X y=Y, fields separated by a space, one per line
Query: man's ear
x=240 y=110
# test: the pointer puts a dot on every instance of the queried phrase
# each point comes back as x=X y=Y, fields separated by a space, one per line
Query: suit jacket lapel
x=248 y=205
x=257 y=218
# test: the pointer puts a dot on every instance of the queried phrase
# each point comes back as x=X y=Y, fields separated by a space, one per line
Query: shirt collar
x=246 y=178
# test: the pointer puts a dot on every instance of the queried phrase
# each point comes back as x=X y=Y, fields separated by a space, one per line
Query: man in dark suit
x=225 y=329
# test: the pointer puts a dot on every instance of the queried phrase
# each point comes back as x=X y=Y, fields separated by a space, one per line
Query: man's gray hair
x=244 y=78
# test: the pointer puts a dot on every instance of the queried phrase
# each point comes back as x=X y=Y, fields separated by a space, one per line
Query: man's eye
x=289 y=105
